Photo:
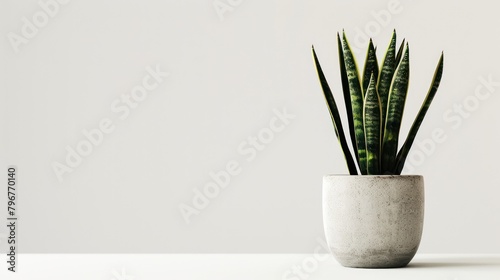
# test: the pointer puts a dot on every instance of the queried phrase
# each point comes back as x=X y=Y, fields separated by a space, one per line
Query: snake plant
x=375 y=101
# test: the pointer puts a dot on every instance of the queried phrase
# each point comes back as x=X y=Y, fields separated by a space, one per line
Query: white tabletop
x=244 y=266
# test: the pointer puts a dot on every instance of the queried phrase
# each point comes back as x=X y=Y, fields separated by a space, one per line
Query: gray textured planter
x=373 y=221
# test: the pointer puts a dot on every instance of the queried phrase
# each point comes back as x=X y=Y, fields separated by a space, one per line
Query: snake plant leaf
x=334 y=114
x=347 y=97
x=372 y=114
x=399 y=54
x=386 y=75
x=371 y=66
x=395 y=108
x=403 y=153
x=356 y=102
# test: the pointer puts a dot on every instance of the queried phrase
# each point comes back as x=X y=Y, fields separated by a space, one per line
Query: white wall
x=227 y=78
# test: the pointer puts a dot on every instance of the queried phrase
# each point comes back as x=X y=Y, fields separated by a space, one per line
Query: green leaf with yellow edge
x=372 y=114
x=394 y=115
x=334 y=114
x=371 y=67
x=403 y=152
x=356 y=102
x=347 y=97
x=386 y=75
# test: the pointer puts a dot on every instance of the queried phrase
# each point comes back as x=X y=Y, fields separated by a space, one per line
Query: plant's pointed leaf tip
x=371 y=45
x=315 y=57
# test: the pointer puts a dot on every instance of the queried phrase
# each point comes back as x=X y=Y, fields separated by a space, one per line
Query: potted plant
x=374 y=216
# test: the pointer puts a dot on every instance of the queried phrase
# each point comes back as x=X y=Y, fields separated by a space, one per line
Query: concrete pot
x=373 y=221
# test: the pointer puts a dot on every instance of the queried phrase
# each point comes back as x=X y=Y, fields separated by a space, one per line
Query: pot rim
x=373 y=176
